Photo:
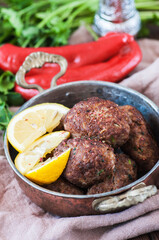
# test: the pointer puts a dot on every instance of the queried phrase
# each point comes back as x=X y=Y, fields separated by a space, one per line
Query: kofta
x=98 y=127
x=98 y=118
x=125 y=172
x=141 y=145
x=63 y=186
x=90 y=161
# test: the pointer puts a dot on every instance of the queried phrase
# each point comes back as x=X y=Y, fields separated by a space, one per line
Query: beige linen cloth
x=22 y=219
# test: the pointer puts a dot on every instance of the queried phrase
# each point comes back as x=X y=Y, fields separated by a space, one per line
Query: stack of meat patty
x=109 y=145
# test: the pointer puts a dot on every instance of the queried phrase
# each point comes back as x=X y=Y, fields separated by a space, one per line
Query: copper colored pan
x=68 y=95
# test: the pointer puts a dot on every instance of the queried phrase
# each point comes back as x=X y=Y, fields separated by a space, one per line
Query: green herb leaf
x=7 y=80
x=13 y=18
x=99 y=172
x=44 y=23
x=112 y=139
x=5 y=116
x=14 y=99
x=140 y=149
x=30 y=31
x=3 y=98
x=129 y=161
x=7 y=98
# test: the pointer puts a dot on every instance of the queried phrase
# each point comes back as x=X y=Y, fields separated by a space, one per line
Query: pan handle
x=37 y=60
x=134 y=196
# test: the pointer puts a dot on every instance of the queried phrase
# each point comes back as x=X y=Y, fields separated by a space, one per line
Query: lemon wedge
x=26 y=160
x=50 y=170
x=33 y=122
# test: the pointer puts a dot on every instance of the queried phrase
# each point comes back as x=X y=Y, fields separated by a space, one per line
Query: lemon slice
x=28 y=125
x=26 y=160
x=50 y=170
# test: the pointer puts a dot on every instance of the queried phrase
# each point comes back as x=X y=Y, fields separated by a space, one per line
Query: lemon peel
x=33 y=122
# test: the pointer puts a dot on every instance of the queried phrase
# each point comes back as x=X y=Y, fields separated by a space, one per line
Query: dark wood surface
x=149 y=236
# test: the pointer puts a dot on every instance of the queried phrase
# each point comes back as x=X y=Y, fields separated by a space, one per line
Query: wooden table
x=149 y=236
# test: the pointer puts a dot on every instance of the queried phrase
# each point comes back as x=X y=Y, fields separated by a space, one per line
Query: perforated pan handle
x=37 y=60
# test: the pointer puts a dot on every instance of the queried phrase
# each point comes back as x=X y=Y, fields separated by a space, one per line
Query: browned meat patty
x=98 y=118
x=124 y=173
x=63 y=186
x=106 y=186
x=89 y=162
x=141 y=145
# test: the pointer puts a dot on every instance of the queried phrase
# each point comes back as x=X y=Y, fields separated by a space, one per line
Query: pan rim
x=99 y=195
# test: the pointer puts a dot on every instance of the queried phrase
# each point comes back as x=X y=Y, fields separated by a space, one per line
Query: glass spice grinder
x=117 y=16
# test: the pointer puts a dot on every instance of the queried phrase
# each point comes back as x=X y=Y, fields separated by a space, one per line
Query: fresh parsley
x=7 y=98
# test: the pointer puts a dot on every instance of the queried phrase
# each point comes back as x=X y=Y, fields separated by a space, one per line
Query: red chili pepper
x=112 y=71
x=12 y=57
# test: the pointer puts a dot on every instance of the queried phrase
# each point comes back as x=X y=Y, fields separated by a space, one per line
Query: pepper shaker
x=117 y=16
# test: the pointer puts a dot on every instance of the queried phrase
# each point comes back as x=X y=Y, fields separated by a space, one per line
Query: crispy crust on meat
x=124 y=173
x=98 y=118
x=63 y=186
x=141 y=145
x=89 y=162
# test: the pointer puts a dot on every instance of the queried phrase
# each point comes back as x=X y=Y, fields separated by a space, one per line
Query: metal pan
x=69 y=94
